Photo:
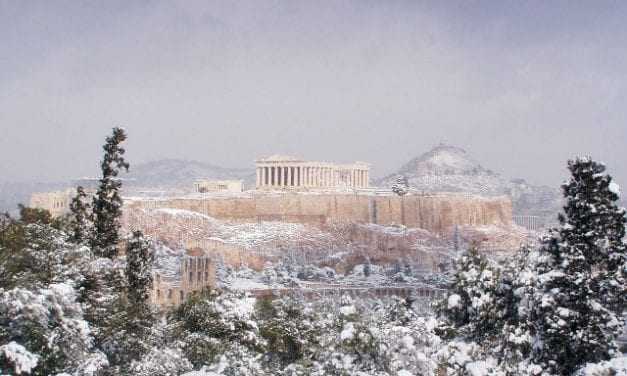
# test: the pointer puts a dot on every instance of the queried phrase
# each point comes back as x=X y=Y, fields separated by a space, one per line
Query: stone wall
x=436 y=213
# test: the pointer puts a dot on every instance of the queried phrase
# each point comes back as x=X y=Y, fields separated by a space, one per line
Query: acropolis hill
x=320 y=213
x=293 y=190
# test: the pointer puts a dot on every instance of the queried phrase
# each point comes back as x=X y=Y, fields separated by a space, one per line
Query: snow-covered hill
x=448 y=168
x=177 y=173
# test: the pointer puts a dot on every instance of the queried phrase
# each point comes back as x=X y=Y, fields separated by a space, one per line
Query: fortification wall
x=436 y=213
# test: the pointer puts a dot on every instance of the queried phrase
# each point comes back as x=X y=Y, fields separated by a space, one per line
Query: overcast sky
x=521 y=85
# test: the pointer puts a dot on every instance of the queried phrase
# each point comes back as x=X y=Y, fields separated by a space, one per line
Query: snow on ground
x=184 y=213
x=246 y=284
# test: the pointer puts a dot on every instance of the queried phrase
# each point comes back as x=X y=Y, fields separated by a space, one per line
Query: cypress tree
x=139 y=260
x=80 y=216
x=129 y=329
x=107 y=204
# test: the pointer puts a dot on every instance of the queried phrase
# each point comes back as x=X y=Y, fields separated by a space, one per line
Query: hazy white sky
x=522 y=86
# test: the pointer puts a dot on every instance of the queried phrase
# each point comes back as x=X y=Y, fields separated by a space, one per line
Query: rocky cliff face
x=436 y=213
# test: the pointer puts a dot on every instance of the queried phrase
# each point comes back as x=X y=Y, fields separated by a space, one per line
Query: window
x=182 y=295
x=191 y=277
x=170 y=294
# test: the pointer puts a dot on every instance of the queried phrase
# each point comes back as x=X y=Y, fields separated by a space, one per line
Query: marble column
x=308 y=176
x=258 y=171
x=289 y=176
x=275 y=177
x=262 y=176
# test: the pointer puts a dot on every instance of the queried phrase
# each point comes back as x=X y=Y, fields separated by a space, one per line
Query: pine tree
x=594 y=223
x=79 y=223
x=107 y=205
x=580 y=290
x=401 y=186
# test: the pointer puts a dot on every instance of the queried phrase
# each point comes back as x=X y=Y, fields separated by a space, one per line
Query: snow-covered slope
x=448 y=168
x=177 y=173
x=444 y=160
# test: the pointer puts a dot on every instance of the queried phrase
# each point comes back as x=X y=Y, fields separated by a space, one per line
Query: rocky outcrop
x=435 y=213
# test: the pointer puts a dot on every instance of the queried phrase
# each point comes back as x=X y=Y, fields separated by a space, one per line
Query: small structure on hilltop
x=284 y=172
x=213 y=186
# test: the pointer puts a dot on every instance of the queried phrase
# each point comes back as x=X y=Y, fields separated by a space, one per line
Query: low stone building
x=212 y=186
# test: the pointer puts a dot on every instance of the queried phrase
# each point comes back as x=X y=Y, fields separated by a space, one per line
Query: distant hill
x=177 y=173
x=444 y=160
x=448 y=168
x=167 y=174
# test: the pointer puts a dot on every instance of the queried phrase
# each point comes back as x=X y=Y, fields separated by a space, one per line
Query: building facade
x=283 y=172
x=212 y=186
x=57 y=203
x=197 y=272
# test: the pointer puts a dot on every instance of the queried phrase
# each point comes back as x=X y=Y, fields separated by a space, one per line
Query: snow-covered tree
x=593 y=222
x=353 y=347
x=35 y=255
x=471 y=310
x=580 y=286
x=401 y=185
x=292 y=331
x=107 y=204
x=212 y=324
x=43 y=332
x=131 y=334
x=161 y=361
x=408 y=343
x=139 y=262
x=80 y=217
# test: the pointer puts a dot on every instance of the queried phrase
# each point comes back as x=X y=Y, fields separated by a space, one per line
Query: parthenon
x=283 y=172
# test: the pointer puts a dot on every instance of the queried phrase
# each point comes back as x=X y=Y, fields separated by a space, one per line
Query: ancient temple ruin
x=283 y=172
